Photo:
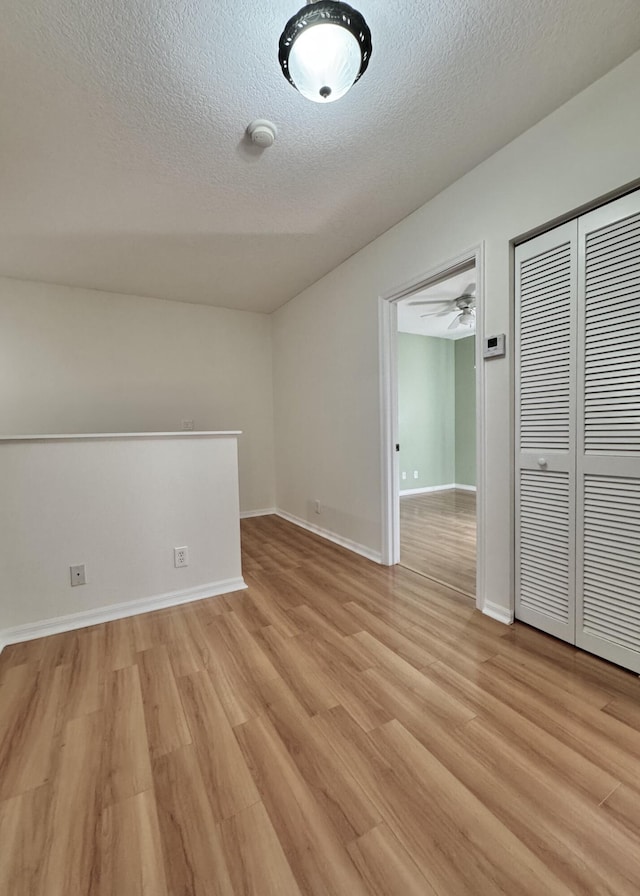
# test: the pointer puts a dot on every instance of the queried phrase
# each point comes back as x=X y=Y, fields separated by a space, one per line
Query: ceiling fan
x=463 y=306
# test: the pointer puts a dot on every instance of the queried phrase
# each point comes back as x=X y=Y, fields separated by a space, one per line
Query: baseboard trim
x=246 y=514
x=495 y=611
x=436 y=488
x=31 y=630
x=425 y=489
x=376 y=556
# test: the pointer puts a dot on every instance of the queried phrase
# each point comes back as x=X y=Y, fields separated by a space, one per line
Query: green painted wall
x=465 y=425
x=426 y=393
x=436 y=410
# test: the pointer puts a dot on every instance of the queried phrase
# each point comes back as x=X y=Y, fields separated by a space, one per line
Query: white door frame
x=388 y=327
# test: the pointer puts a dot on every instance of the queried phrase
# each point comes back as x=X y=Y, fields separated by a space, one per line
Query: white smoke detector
x=262 y=132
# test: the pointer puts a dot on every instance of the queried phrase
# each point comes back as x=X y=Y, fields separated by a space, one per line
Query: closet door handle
x=542 y=462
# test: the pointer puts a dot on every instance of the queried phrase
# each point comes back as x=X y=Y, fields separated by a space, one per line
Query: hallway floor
x=338 y=729
x=438 y=537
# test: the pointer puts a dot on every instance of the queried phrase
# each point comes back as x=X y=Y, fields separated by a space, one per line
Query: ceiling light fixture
x=324 y=49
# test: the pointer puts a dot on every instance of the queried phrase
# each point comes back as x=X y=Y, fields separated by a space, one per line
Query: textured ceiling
x=410 y=318
x=123 y=164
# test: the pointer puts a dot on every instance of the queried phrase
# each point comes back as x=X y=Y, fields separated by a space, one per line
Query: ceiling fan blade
x=442 y=301
x=467 y=292
x=455 y=322
x=444 y=313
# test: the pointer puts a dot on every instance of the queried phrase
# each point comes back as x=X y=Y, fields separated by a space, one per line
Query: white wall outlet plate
x=180 y=557
x=78 y=574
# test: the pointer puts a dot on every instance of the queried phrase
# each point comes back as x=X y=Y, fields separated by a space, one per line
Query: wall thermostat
x=494 y=346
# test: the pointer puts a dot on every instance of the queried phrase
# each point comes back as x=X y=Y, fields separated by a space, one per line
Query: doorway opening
x=436 y=431
x=432 y=426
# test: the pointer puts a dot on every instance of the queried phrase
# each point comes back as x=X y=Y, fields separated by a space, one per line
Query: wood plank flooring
x=438 y=537
x=338 y=729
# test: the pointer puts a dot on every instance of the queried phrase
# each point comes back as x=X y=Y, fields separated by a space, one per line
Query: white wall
x=120 y=506
x=78 y=360
x=326 y=339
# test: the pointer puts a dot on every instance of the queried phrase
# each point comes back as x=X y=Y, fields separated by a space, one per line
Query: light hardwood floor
x=339 y=728
x=438 y=537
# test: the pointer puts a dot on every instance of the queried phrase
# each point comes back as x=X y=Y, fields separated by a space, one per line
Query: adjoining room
x=437 y=431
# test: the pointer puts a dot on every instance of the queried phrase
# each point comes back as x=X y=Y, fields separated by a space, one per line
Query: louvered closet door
x=546 y=283
x=608 y=436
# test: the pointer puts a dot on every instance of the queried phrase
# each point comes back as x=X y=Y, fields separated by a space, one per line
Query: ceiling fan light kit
x=466 y=318
x=324 y=49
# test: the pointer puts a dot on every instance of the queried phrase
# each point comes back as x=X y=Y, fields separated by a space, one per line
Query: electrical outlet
x=180 y=557
x=415 y=474
x=404 y=474
x=318 y=507
x=78 y=574
x=187 y=425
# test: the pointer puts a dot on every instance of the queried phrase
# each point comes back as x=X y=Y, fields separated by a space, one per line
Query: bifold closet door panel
x=546 y=280
x=608 y=433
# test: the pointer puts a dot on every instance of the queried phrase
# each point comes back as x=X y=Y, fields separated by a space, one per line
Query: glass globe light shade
x=324 y=62
x=324 y=49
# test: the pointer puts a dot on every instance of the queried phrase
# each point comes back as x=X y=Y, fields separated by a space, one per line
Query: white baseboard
x=495 y=611
x=425 y=489
x=245 y=514
x=32 y=630
x=376 y=556
x=436 y=488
